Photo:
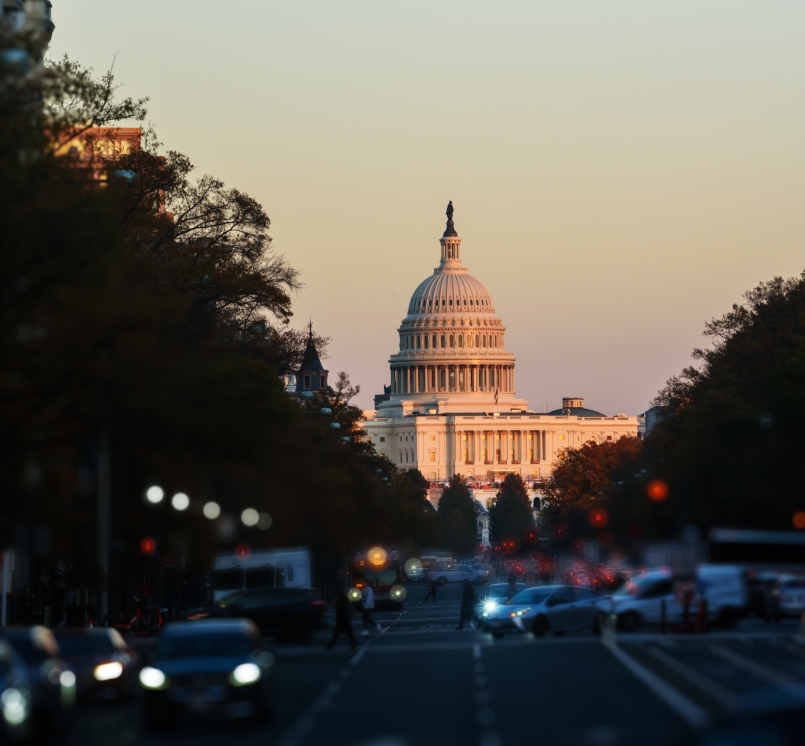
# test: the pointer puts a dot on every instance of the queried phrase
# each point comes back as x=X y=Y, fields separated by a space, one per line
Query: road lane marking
x=764 y=673
x=705 y=683
x=689 y=711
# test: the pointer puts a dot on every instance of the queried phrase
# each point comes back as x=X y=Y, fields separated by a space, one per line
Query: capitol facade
x=451 y=406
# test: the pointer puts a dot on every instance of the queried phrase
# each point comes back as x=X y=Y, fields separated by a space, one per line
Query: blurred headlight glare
x=108 y=671
x=15 y=706
x=245 y=673
x=153 y=678
x=490 y=605
x=67 y=679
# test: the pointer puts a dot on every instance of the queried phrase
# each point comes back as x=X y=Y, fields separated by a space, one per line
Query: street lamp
x=250 y=517
x=180 y=501
x=155 y=494
x=211 y=510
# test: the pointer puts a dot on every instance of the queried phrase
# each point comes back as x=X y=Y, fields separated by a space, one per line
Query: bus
x=382 y=571
x=275 y=568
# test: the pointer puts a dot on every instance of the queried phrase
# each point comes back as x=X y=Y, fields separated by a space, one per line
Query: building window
x=452 y=341
x=406 y=457
x=307 y=382
x=433 y=437
x=609 y=437
x=460 y=340
x=484 y=340
x=443 y=341
x=382 y=438
x=433 y=475
x=562 y=437
x=427 y=340
x=419 y=341
x=433 y=457
x=490 y=501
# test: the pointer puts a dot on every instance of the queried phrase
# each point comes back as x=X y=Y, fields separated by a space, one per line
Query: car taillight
x=318 y=603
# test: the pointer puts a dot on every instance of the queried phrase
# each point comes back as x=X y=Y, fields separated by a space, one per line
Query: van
x=641 y=600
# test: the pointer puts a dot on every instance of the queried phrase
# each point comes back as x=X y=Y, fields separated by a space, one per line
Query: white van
x=640 y=601
x=275 y=568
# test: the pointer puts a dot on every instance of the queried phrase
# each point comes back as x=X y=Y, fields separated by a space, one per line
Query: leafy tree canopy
x=510 y=515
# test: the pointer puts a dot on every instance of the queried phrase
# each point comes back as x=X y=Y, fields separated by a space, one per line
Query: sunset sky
x=621 y=171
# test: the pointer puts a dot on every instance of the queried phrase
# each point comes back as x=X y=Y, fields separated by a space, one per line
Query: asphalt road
x=420 y=681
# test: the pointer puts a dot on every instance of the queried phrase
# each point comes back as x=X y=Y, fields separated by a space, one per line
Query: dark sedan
x=100 y=659
x=216 y=668
x=285 y=613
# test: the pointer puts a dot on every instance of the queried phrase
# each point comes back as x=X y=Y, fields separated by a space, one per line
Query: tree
x=581 y=476
x=457 y=516
x=729 y=442
x=510 y=515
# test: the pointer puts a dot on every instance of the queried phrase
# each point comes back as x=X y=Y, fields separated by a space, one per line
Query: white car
x=545 y=608
x=457 y=574
x=790 y=595
x=641 y=600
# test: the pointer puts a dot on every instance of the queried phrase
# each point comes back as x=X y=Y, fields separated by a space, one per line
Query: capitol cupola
x=451 y=355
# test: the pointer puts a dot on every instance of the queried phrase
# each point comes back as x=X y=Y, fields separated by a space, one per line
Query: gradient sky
x=621 y=171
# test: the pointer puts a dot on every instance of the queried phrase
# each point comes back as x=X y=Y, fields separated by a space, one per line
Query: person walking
x=468 y=603
x=511 y=591
x=367 y=606
x=343 y=622
x=432 y=587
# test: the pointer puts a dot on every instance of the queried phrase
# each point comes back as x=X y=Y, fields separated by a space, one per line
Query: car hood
x=506 y=610
x=189 y=666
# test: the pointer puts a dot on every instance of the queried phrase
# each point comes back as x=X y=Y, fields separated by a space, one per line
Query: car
x=496 y=594
x=15 y=696
x=789 y=592
x=457 y=574
x=546 y=608
x=102 y=662
x=484 y=572
x=52 y=682
x=285 y=613
x=642 y=599
x=210 y=668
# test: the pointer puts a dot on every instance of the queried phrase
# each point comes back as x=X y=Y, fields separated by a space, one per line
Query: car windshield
x=78 y=645
x=202 y=645
x=228 y=580
x=531 y=596
x=637 y=585
x=502 y=591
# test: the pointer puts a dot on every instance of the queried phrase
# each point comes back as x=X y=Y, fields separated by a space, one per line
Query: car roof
x=210 y=627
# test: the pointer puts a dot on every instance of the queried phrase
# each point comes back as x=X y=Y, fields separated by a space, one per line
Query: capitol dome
x=451 y=355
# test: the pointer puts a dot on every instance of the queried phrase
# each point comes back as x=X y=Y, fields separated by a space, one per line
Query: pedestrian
x=343 y=622
x=468 y=603
x=432 y=587
x=511 y=590
x=367 y=606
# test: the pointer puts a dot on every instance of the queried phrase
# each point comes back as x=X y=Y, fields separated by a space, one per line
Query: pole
x=104 y=508
x=3 y=614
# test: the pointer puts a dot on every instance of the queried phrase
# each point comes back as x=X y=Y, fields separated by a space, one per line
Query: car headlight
x=397 y=591
x=245 y=673
x=355 y=595
x=67 y=679
x=15 y=706
x=153 y=678
x=520 y=612
x=108 y=671
x=490 y=606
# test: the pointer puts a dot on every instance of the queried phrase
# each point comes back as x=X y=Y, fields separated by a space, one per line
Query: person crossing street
x=468 y=603
x=367 y=606
x=432 y=587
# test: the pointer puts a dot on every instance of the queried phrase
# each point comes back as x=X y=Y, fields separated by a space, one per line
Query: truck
x=273 y=568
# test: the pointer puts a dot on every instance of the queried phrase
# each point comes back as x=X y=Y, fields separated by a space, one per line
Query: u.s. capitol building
x=451 y=407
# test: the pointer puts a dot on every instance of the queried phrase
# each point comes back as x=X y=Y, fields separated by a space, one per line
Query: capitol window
x=452 y=341
x=433 y=457
x=382 y=438
x=443 y=341
x=433 y=437
x=461 y=341
x=427 y=339
x=434 y=341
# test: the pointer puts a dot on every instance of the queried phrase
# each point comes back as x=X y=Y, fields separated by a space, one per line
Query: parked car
x=546 y=608
x=15 y=696
x=789 y=593
x=211 y=668
x=641 y=600
x=102 y=662
x=457 y=574
x=53 y=684
x=484 y=572
x=277 y=612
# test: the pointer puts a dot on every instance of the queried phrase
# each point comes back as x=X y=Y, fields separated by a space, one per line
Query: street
x=421 y=681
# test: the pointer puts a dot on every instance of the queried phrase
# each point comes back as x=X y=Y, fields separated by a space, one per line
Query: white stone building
x=451 y=407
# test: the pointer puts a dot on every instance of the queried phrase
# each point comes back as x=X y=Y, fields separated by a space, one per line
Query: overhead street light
x=250 y=517
x=211 y=510
x=180 y=501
